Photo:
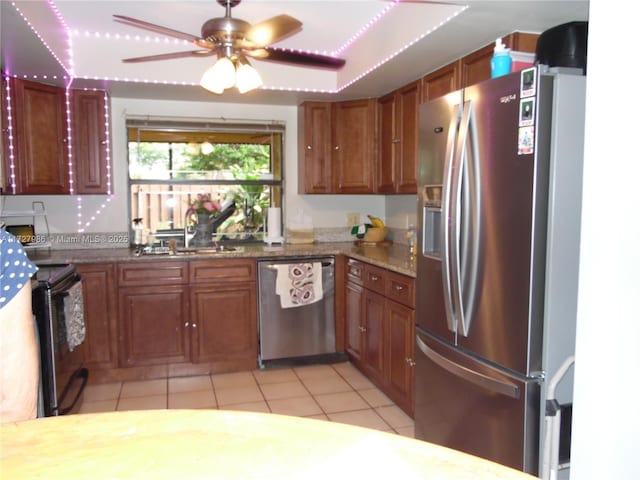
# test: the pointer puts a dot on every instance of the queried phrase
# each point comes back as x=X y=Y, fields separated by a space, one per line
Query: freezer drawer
x=299 y=331
x=468 y=405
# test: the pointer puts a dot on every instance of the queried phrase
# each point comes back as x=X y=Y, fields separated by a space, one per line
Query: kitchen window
x=172 y=162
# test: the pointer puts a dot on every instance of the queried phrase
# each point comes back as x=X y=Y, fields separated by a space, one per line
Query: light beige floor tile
x=249 y=407
x=358 y=381
x=105 y=391
x=201 y=399
x=279 y=375
x=341 y=402
x=190 y=384
x=231 y=395
x=346 y=369
x=239 y=379
x=363 y=418
x=394 y=416
x=99 y=406
x=297 y=407
x=406 y=431
x=321 y=384
x=309 y=371
x=273 y=391
x=318 y=417
x=375 y=397
x=151 y=402
x=144 y=388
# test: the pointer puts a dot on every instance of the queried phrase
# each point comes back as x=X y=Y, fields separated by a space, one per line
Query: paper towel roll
x=273 y=223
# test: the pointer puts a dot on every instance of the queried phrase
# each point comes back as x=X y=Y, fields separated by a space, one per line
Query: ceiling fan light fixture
x=247 y=77
x=220 y=76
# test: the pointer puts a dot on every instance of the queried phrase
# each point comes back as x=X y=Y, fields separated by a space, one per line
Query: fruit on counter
x=376 y=221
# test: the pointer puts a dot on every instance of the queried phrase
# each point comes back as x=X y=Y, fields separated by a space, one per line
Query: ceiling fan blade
x=273 y=30
x=170 y=56
x=303 y=59
x=156 y=28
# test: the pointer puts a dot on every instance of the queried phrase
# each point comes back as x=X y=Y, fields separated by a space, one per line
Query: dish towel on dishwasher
x=74 y=316
x=299 y=284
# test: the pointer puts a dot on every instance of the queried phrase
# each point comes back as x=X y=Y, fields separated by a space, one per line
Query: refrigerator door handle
x=493 y=384
x=465 y=241
x=445 y=220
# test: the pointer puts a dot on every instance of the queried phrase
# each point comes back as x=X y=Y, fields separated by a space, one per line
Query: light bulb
x=220 y=76
x=248 y=77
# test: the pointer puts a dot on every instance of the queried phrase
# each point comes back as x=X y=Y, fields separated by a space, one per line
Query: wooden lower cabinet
x=400 y=356
x=379 y=328
x=224 y=325
x=100 y=315
x=153 y=326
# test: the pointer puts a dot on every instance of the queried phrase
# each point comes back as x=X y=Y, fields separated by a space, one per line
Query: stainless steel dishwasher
x=300 y=331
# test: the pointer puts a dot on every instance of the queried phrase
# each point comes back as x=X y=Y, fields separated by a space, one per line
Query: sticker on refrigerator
x=527 y=113
x=528 y=82
x=525 y=140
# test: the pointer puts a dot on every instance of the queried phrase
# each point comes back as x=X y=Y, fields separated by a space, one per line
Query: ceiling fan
x=233 y=40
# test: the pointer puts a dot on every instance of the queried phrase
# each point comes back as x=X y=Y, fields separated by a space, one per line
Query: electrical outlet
x=353 y=219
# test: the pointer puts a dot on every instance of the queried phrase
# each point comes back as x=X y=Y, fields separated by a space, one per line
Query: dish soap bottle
x=137 y=231
x=501 y=60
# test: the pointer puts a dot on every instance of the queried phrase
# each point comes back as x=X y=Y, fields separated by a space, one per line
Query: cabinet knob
x=193 y=325
x=410 y=362
x=362 y=329
x=308 y=147
x=375 y=278
x=337 y=147
x=399 y=288
x=395 y=140
x=186 y=324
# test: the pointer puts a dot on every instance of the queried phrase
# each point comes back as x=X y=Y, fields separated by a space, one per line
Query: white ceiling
x=386 y=43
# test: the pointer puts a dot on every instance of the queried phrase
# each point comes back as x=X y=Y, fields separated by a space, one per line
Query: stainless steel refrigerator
x=499 y=201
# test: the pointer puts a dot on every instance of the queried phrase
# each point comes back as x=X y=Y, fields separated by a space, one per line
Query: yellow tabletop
x=212 y=444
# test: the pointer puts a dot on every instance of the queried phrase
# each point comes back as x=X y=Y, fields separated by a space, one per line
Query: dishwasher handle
x=274 y=266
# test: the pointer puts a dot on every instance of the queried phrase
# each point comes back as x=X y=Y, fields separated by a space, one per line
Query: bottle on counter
x=501 y=60
x=138 y=230
x=411 y=238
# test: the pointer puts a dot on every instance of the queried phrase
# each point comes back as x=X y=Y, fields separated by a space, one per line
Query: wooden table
x=217 y=444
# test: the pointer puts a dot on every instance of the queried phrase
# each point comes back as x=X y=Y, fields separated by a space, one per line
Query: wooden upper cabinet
x=41 y=162
x=314 y=147
x=522 y=42
x=336 y=146
x=441 y=82
x=354 y=134
x=476 y=67
x=398 y=140
x=389 y=144
x=90 y=147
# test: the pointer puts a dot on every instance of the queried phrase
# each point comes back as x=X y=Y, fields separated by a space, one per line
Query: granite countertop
x=395 y=257
x=218 y=444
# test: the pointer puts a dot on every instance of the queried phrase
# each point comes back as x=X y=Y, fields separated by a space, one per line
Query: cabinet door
x=406 y=163
x=224 y=324
x=354 y=328
x=444 y=80
x=373 y=351
x=152 y=325
x=400 y=356
x=315 y=147
x=389 y=145
x=354 y=127
x=100 y=316
x=90 y=141
x=476 y=67
x=41 y=162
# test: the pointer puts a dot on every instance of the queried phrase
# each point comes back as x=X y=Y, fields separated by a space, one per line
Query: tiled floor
x=337 y=392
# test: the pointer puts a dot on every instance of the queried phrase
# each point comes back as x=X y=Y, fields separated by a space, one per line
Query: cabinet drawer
x=222 y=270
x=375 y=279
x=355 y=271
x=152 y=273
x=401 y=289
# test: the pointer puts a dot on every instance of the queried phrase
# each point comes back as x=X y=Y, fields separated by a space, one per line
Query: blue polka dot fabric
x=15 y=267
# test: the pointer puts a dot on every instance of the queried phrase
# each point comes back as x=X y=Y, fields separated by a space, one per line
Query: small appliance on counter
x=274 y=226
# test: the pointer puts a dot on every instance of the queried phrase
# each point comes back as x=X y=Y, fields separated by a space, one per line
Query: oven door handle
x=84 y=374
